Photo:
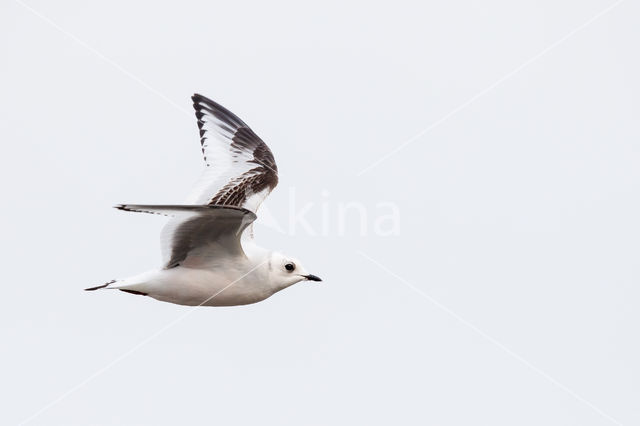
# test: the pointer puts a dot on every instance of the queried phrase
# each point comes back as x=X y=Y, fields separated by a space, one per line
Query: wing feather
x=240 y=174
x=241 y=170
x=198 y=235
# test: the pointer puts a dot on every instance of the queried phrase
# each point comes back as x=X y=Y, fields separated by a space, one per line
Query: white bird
x=210 y=257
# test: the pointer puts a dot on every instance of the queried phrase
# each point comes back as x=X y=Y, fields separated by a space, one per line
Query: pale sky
x=504 y=136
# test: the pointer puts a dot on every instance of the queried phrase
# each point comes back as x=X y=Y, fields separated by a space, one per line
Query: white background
x=519 y=213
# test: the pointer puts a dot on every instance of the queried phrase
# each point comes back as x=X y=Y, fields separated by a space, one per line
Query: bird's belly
x=193 y=287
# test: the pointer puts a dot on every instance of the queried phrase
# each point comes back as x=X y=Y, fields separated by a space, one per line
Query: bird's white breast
x=228 y=286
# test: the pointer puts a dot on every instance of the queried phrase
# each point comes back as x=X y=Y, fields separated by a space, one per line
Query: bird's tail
x=117 y=285
x=105 y=285
x=136 y=285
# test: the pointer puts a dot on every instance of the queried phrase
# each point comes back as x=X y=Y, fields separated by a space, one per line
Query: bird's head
x=285 y=271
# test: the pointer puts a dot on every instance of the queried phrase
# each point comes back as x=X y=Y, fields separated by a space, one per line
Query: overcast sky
x=498 y=139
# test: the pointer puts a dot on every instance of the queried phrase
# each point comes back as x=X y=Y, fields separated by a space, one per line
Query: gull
x=209 y=254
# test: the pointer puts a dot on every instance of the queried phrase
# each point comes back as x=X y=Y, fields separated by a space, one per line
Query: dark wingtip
x=197 y=97
x=139 y=293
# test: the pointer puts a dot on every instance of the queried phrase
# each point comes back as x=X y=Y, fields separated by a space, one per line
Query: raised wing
x=241 y=170
x=198 y=236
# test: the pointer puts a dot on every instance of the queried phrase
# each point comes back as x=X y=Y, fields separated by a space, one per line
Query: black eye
x=289 y=267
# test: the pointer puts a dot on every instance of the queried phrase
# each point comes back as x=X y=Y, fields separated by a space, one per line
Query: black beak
x=312 y=278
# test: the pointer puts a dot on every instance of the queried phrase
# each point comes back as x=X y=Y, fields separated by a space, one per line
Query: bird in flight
x=209 y=254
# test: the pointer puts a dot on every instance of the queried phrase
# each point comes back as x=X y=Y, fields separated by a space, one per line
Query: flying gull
x=209 y=254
